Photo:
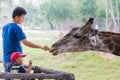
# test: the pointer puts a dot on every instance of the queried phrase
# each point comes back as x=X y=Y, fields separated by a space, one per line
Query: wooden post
x=40 y=74
x=64 y=75
x=36 y=76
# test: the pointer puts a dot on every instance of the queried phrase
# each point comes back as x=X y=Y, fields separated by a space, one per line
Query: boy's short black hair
x=18 y=11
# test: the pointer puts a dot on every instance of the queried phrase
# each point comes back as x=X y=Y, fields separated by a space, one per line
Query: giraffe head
x=76 y=40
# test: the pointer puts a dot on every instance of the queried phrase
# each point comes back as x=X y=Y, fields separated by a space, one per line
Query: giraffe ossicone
x=87 y=38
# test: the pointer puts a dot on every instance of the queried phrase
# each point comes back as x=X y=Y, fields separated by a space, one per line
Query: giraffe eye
x=77 y=35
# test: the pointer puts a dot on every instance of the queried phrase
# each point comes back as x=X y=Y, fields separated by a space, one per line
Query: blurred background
x=48 y=20
x=64 y=14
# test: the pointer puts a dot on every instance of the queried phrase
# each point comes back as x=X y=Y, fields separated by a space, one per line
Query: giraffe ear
x=85 y=29
x=89 y=23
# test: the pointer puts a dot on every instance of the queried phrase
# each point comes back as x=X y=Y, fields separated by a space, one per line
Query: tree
x=0 y=11
x=88 y=9
x=118 y=20
x=5 y=11
x=32 y=18
x=55 y=11
x=112 y=15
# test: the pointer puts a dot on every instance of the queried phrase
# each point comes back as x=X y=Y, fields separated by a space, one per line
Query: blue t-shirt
x=12 y=35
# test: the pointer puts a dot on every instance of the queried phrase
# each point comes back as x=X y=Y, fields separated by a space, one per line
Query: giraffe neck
x=96 y=44
x=107 y=42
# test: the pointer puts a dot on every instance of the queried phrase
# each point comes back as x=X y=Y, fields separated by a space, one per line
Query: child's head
x=17 y=58
x=19 y=14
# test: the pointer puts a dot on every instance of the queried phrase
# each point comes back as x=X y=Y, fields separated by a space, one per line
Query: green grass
x=85 y=65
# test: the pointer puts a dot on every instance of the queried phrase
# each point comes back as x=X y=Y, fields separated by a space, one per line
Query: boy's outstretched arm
x=32 y=45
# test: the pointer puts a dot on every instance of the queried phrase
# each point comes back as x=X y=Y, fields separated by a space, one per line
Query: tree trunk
x=113 y=16
x=51 y=25
x=6 y=10
x=40 y=74
x=106 y=8
x=118 y=22
x=33 y=76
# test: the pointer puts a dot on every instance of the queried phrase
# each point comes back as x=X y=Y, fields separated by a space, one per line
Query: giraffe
x=87 y=38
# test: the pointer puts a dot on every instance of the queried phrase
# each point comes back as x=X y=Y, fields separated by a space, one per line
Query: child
x=17 y=58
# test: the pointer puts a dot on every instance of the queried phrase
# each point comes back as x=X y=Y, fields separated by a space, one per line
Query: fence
x=40 y=74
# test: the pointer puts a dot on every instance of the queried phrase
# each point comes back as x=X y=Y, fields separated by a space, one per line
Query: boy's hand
x=28 y=70
x=46 y=48
x=30 y=62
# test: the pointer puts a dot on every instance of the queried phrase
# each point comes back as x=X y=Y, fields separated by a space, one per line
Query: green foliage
x=49 y=14
x=55 y=11
x=88 y=9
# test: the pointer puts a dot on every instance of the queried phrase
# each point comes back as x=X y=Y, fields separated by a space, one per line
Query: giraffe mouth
x=54 y=52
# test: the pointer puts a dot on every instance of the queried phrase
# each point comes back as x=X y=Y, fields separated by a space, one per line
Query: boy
x=17 y=58
x=13 y=35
